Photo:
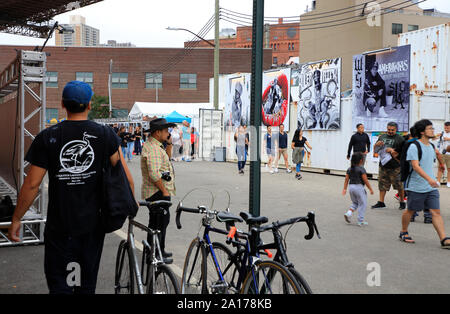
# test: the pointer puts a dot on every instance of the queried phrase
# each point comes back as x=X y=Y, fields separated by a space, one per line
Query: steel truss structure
x=26 y=75
x=32 y=18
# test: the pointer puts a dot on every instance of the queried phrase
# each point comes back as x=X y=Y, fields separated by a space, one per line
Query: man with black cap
x=158 y=178
x=72 y=152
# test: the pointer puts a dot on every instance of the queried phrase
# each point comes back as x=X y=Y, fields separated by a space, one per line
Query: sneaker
x=382 y=113
x=379 y=205
x=362 y=223
x=288 y=170
x=402 y=206
x=299 y=177
x=347 y=218
x=448 y=184
x=275 y=170
x=271 y=171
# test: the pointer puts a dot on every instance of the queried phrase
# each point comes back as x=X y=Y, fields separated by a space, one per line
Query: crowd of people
x=184 y=140
x=74 y=151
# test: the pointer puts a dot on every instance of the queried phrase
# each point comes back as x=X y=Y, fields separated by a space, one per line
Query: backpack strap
x=419 y=152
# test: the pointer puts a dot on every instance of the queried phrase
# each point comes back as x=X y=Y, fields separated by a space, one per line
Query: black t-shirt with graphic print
x=73 y=153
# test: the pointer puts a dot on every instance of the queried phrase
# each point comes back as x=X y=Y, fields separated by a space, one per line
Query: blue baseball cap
x=78 y=92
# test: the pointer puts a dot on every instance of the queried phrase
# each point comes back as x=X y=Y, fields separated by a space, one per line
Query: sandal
x=445 y=245
x=404 y=236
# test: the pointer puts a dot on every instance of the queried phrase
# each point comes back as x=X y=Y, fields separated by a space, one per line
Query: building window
x=52 y=79
x=292 y=46
x=275 y=60
x=87 y=77
x=153 y=80
x=51 y=113
x=119 y=80
x=188 y=81
x=289 y=46
x=412 y=28
x=397 y=28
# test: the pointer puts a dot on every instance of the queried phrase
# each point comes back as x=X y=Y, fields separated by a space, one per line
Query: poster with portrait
x=319 y=105
x=381 y=89
x=237 y=108
x=276 y=98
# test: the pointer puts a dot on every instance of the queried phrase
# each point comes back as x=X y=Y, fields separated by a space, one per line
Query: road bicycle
x=158 y=277
x=207 y=269
x=278 y=244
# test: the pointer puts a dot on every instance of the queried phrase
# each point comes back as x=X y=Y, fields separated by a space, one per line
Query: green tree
x=99 y=107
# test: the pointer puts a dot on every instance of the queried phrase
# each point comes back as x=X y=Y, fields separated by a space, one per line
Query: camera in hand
x=166 y=176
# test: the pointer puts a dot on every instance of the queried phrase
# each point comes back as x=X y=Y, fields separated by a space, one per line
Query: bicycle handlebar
x=198 y=210
x=309 y=219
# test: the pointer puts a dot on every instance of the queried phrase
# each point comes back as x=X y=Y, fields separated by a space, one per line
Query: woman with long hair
x=298 y=145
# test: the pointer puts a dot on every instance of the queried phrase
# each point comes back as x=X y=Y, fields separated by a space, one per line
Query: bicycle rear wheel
x=124 y=275
x=165 y=281
x=268 y=277
x=228 y=266
x=304 y=286
x=194 y=270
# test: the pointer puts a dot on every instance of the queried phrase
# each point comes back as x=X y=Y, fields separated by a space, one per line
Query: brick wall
x=136 y=62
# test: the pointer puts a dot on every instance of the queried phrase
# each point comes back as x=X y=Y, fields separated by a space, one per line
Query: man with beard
x=375 y=92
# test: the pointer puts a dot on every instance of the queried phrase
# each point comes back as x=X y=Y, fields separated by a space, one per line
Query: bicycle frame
x=155 y=243
x=247 y=261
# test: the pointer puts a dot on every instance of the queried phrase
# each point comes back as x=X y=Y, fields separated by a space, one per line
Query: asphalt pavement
x=347 y=258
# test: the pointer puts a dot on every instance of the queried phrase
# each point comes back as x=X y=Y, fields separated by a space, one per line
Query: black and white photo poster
x=381 y=89
x=319 y=105
x=237 y=108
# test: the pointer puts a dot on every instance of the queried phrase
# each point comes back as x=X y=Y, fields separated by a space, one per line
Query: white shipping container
x=430 y=57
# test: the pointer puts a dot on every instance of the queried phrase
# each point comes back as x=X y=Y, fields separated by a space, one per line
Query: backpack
x=405 y=166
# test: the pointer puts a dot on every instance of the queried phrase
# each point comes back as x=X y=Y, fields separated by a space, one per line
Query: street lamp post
x=216 y=57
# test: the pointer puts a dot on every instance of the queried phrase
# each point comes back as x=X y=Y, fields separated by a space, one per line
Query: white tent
x=151 y=109
x=142 y=109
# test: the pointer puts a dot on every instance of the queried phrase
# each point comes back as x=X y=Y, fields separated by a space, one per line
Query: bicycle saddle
x=158 y=206
x=251 y=220
x=227 y=217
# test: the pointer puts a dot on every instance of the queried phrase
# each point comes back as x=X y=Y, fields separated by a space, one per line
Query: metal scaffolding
x=26 y=75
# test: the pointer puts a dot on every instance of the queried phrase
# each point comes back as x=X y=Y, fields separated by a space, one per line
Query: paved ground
x=337 y=263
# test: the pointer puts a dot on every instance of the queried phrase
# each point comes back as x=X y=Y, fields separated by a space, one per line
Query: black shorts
x=71 y=264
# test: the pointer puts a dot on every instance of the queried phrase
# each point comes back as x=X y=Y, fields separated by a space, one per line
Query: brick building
x=282 y=38
x=136 y=72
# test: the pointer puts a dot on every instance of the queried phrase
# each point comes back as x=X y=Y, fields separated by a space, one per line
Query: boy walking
x=422 y=186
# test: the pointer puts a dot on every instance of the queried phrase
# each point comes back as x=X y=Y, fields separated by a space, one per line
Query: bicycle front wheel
x=124 y=275
x=268 y=277
x=194 y=270
x=164 y=281
x=304 y=286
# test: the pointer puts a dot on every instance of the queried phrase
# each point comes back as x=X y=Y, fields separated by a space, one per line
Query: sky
x=144 y=22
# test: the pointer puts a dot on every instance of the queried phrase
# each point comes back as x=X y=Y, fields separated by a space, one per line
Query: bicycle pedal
x=168 y=260
x=219 y=287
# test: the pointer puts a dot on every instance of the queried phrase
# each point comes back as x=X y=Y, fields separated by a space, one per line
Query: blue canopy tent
x=175 y=117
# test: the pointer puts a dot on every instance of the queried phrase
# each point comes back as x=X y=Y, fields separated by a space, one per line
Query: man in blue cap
x=72 y=152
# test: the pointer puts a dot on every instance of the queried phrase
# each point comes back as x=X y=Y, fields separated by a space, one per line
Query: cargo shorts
x=388 y=177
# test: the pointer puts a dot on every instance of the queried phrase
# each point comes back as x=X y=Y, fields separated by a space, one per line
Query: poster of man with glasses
x=381 y=88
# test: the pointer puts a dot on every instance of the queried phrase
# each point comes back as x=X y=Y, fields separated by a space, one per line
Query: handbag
x=118 y=202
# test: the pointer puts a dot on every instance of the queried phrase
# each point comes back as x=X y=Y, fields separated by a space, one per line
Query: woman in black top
x=123 y=136
x=137 y=141
x=298 y=145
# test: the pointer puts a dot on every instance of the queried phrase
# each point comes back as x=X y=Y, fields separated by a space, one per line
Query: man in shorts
x=422 y=186
x=389 y=173
x=282 y=149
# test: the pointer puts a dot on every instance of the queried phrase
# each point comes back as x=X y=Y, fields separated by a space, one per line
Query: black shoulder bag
x=118 y=201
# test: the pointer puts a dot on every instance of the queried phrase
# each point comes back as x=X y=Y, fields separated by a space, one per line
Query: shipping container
x=430 y=57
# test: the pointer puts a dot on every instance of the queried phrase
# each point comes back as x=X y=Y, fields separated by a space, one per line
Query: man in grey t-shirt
x=422 y=185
